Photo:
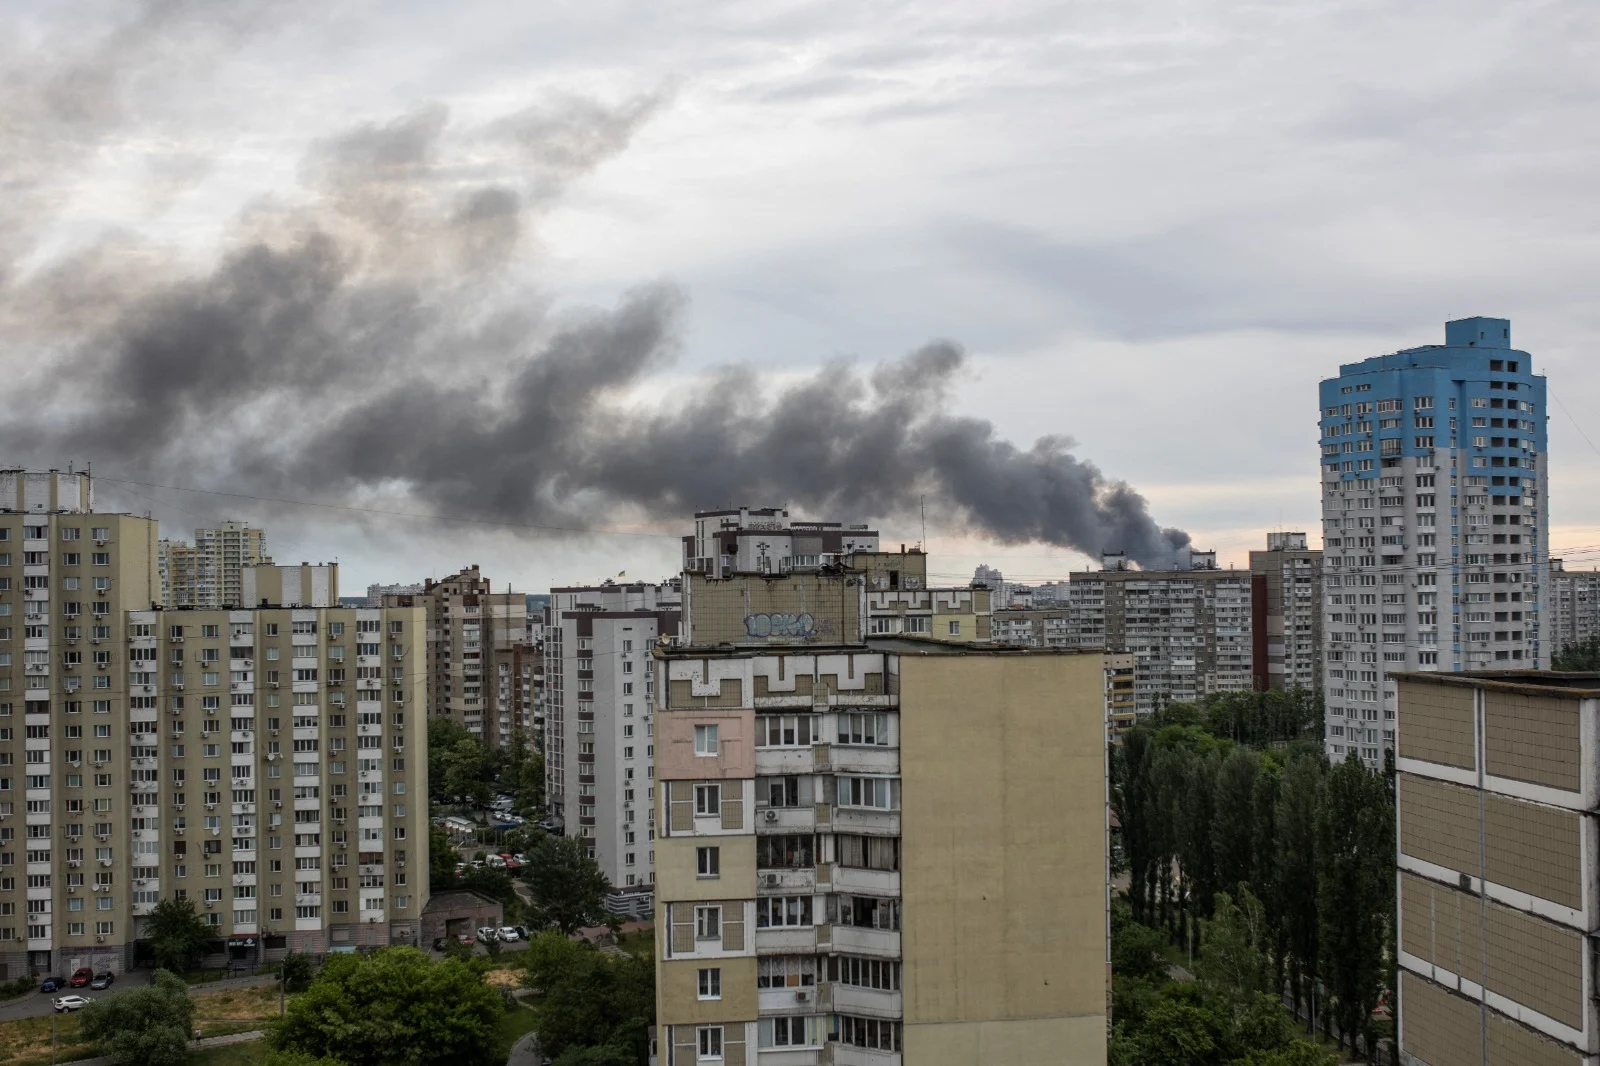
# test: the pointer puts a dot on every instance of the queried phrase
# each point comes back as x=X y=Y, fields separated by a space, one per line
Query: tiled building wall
x=1527 y=738
x=1438 y=724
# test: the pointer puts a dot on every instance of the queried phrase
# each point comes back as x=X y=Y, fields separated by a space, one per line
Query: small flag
x=622 y=573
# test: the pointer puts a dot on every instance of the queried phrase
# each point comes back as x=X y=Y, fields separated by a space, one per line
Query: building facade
x=376 y=592
x=1574 y=609
x=1286 y=605
x=1498 y=801
x=471 y=628
x=751 y=540
x=129 y=734
x=1435 y=523
x=179 y=567
x=1189 y=630
x=840 y=877
x=599 y=729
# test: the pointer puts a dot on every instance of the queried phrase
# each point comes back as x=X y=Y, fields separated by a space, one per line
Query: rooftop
x=1527 y=682
x=899 y=645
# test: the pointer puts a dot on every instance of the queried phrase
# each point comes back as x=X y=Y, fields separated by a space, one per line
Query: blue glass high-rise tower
x=1434 y=520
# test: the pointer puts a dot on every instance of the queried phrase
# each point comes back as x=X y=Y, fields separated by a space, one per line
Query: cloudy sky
x=558 y=266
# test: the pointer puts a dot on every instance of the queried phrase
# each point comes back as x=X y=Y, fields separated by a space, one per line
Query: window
x=791 y=1032
x=784 y=851
x=710 y=1041
x=880 y=792
x=708 y=862
x=864 y=728
x=711 y=983
x=708 y=799
x=955 y=629
x=705 y=743
x=708 y=923
x=787 y=730
x=786 y=971
x=777 y=912
x=868 y=1033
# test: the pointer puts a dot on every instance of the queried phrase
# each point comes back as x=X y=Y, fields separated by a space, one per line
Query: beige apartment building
x=210 y=573
x=1499 y=888
x=1574 y=611
x=131 y=738
x=1286 y=613
x=472 y=630
x=841 y=873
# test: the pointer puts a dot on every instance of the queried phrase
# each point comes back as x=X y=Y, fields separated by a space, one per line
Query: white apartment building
x=599 y=729
x=1190 y=631
x=764 y=540
x=1435 y=523
x=1574 y=606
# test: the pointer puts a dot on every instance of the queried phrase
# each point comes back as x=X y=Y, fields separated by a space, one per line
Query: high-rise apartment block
x=841 y=873
x=1574 y=607
x=1189 y=630
x=179 y=566
x=599 y=729
x=1435 y=522
x=1498 y=793
x=471 y=629
x=376 y=592
x=129 y=734
x=1286 y=601
x=210 y=572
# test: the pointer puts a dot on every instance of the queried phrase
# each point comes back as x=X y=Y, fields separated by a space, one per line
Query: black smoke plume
x=376 y=339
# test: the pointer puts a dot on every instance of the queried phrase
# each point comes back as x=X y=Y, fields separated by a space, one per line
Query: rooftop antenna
x=922 y=502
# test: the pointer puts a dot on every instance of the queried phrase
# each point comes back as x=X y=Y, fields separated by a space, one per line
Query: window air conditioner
x=772 y=816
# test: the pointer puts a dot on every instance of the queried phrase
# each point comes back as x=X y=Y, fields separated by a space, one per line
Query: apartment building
x=179 y=567
x=1574 y=609
x=1039 y=627
x=1499 y=898
x=1122 y=698
x=842 y=876
x=1189 y=630
x=1435 y=512
x=67 y=575
x=599 y=728
x=751 y=540
x=471 y=628
x=376 y=592
x=1286 y=606
x=113 y=721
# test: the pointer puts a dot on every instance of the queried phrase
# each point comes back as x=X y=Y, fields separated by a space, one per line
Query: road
x=37 y=1004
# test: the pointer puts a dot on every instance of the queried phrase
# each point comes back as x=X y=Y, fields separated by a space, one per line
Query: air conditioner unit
x=802 y=996
x=71 y=641
x=74 y=862
x=99 y=939
x=216 y=831
x=98 y=763
x=274 y=732
x=101 y=888
x=211 y=806
x=277 y=803
x=272 y=756
x=211 y=905
x=772 y=880
x=177 y=684
x=72 y=888
x=772 y=816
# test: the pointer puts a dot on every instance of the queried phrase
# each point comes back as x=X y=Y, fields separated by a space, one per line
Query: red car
x=80 y=977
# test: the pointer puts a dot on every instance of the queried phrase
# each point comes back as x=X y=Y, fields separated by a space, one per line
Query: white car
x=487 y=933
x=66 y=1003
x=509 y=933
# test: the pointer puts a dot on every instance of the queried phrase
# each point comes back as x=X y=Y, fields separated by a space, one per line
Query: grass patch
x=26 y=1041
x=516 y=1023
x=640 y=943
x=249 y=1053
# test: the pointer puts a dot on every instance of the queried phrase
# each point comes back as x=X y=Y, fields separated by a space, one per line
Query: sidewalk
x=194 y=1045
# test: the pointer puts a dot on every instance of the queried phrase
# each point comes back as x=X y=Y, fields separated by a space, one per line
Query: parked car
x=509 y=933
x=80 y=977
x=486 y=933
x=66 y=1003
x=463 y=938
x=52 y=984
x=522 y=931
x=102 y=980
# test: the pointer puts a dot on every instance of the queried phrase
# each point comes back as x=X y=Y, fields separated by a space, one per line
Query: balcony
x=866 y=882
x=860 y=940
x=787 y=940
x=866 y=760
x=850 y=999
x=787 y=818
x=867 y=820
x=786 y=881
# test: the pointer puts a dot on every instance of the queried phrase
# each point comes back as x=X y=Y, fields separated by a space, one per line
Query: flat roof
x=900 y=645
x=1528 y=682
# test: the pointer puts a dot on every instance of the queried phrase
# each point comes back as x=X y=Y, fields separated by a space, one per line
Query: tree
x=606 y=1055
x=1233 y=825
x=1351 y=893
x=1578 y=658
x=146 y=1026
x=1177 y=1033
x=1296 y=851
x=569 y=891
x=441 y=860
x=395 y=1006
x=1231 y=958
x=177 y=934
x=589 y=999
x=296 y=972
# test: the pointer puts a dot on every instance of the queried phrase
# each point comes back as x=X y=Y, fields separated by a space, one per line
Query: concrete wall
x=1004 y=838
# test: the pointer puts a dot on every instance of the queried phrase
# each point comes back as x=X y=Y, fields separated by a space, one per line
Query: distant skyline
x=1151 y=227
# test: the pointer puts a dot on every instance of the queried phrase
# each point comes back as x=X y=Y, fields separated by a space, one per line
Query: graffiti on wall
x=794 y=626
